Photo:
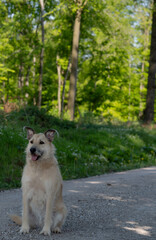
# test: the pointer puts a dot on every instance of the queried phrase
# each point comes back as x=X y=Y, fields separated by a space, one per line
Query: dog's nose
x=32 y=150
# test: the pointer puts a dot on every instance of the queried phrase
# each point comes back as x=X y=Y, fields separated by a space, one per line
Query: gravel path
x=118 y=206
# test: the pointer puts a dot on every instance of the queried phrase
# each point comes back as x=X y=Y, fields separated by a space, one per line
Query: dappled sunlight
x=101 y=182
x=114 y=198
x=151 y=169
x=111 y=198
x=74 y=191
x=94 y=182
x=74 y=206
x=141 y=230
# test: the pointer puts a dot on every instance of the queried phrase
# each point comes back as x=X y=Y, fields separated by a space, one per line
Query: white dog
x=41 y=186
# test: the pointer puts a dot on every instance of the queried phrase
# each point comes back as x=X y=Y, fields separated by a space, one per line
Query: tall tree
x=150 y=99
x=59 y=84
x=64 y=85
x=41 y=54
x=74 y=57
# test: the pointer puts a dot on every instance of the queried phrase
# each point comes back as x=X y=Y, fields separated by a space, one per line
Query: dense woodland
x=75 y=57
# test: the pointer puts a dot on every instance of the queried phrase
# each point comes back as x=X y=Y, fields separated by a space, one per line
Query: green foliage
x=12 y=157
x=113 y=55
x=83 y=149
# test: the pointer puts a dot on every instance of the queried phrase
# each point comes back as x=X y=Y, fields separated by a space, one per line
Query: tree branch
x=85 y=2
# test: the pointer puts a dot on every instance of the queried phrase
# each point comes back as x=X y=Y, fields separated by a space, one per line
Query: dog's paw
x=45 y=231
x=56 y=230
x=24 y=229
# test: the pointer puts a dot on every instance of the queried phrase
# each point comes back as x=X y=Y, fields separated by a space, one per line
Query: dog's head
x=40 y=145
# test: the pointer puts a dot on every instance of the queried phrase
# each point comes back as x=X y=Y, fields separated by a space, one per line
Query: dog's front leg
x=25 y=217
x=48 y=216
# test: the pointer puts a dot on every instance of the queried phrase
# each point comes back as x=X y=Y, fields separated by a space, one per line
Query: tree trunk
x=20 y=83
x=149 y=110
x=59 y=85
x=74 y=61
x=33 y=81
x=141 y=89
x=27 y=81
x=64 y=85
x=20 y=76
x=41 y=55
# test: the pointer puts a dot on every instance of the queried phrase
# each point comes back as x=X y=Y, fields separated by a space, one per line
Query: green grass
x=82 y=149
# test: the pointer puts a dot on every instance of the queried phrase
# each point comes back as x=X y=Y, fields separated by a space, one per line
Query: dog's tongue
x=34 y=157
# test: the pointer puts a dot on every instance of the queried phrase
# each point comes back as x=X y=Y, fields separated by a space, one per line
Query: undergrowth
x=82 y=149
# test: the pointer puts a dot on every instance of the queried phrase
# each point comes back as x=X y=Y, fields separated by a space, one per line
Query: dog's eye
x=31 y=141
x=41 y=142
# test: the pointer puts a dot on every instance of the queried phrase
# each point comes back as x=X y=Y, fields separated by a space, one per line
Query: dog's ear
x=50 y=134
x=30 y=132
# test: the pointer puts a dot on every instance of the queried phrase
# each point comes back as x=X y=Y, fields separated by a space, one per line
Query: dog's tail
x=16 y=219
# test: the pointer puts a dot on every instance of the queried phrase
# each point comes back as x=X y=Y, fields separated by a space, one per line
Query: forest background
x=90 y=61
x=37 y=65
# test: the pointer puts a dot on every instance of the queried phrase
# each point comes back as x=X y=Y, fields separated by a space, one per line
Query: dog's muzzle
x=35 y=155
x=32 y=150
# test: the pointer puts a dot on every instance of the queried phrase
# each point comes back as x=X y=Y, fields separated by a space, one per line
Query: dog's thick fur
x=41 y=186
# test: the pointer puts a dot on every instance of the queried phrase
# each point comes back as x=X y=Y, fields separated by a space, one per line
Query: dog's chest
x=37 y=198
x=36 y=191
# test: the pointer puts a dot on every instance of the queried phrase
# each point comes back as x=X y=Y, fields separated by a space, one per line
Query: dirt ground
x=118 y=206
